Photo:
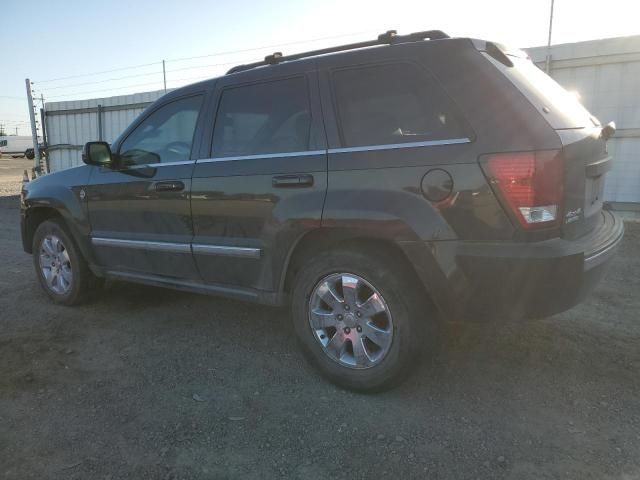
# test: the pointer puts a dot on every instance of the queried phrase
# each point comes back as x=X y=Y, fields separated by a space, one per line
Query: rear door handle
x=289 y=181
x=172 y=186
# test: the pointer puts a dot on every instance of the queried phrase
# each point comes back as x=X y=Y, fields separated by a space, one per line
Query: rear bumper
x=480 y=279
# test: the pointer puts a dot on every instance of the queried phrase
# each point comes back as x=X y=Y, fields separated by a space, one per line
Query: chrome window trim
x=394 y=146
x=307 y=153
x=365 y=148
x=245 y=252
x=171 y=247
x=142 y=244
x=159 y=164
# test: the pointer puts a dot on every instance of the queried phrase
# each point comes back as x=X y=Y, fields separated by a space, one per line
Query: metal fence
x=69 y=125
x=606 y=75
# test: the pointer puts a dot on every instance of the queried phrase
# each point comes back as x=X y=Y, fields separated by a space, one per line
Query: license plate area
x=594 y=193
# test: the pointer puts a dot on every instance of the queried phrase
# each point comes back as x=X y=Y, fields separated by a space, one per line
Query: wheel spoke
x=45 y=260
x=47 y=273
x=64 y=256
x=52 y=279
x=320 y=319
x=372 y=305
x=328 y=295
x=47 y=246
x=380 y=337
x=61 y=284
x=55 y=243
x=66 y=274
x=360 y=354
x=337 y=344
x=349 y=289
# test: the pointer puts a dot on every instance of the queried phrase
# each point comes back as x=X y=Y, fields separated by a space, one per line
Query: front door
x=139 y=210
x=264 y=184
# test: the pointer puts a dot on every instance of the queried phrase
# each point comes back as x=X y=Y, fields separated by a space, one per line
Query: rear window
x=390 y=104
x=565 y=111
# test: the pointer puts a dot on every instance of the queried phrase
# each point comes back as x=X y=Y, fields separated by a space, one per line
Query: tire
x=55 y=251
x=403 y=299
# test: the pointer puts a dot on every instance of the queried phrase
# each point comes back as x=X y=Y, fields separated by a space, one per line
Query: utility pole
x=34 y=129
x=164 y=76
x=548 y=60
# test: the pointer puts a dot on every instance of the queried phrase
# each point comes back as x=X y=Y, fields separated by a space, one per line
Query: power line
x=193 y=67
x=99 y=73
x=229 y=52
x=276 y=45
x=106 y=89
x=103 y=81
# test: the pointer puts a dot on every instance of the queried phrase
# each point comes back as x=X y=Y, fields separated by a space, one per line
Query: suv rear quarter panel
x=379 y=191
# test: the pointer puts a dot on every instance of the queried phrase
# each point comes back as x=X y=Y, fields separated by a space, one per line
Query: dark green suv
x=373 y=187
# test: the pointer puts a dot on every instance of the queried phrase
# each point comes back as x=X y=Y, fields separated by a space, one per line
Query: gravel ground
x=149 y=383
x=11 y=170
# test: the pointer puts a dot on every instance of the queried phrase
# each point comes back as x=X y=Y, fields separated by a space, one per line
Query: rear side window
x=273 y=117
x=389 y=104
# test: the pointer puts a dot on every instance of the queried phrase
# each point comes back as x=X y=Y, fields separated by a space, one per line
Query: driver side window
x=164 y=136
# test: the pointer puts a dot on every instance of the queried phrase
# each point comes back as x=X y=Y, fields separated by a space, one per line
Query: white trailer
x=15 y=145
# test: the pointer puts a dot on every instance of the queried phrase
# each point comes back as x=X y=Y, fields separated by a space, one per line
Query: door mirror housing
x=97 y=153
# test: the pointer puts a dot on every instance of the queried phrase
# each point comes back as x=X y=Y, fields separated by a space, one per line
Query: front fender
x=59 y=192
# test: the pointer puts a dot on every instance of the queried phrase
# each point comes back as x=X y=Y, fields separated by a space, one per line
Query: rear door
x=263 y=185
x=139 y=212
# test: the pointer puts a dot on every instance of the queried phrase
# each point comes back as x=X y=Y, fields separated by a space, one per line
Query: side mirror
x=97 y=153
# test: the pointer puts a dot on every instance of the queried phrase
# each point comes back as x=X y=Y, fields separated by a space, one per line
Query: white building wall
x=606 y=75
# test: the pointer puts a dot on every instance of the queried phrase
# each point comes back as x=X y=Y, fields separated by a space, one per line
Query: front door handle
x=172 y=186
x=288 y=181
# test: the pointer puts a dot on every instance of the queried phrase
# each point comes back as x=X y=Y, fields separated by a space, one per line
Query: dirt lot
x=148 y=383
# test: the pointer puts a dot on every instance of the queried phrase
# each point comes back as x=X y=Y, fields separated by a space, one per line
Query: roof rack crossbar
x=387 y=38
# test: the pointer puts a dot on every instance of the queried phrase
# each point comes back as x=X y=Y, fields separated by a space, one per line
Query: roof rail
x=390 y=37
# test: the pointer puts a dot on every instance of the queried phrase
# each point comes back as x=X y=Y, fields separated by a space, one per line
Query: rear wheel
x=62 y=270
x=359 y=317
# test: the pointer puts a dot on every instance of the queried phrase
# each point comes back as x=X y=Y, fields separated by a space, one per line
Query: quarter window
x=164 y=136
x=388 y=104
x=272 y=117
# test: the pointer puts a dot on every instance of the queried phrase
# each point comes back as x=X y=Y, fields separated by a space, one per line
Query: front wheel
x=62 y=270
x=359 y=317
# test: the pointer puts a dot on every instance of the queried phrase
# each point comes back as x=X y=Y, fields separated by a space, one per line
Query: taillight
x=529 y=184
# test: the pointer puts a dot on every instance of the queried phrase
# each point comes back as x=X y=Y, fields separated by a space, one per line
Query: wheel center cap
x=350 y=320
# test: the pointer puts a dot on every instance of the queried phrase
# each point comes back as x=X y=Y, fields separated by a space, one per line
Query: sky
x=60 y=45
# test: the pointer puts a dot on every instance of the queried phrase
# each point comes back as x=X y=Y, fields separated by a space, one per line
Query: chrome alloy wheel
x=55 y=264
x=351 y=320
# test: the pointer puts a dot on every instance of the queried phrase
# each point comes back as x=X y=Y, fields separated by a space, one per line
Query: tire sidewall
x=387 y=280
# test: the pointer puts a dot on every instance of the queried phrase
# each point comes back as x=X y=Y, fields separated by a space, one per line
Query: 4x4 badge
x=572 y=215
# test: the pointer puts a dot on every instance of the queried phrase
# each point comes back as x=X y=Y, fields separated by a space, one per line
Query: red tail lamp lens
x=529 y=184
